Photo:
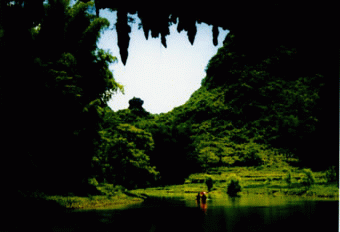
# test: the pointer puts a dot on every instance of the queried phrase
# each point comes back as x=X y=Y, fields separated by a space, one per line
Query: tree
x=233 y=185
x=135 y=105
x=288 y=178
x=124 y=156
x=308 y=180
x=209 y=182
x=60 y=117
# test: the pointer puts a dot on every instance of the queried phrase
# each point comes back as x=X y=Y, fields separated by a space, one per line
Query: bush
x=93 y=181
x=250 y=154
x=308 y=180
x=288 y=178
x=233 y=185
x=209 y=182
x=332 y=175
x=285 y=170
x=110 y=190
x=119 y=188
x=268 y=181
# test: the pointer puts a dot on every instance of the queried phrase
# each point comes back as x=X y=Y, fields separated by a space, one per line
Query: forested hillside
x=267 y=91
x=249 y=109
x=249 y=99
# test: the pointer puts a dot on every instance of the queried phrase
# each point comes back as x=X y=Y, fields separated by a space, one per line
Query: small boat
x=201 y=196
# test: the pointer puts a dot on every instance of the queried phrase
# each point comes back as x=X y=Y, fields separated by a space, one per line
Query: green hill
x=250 y=109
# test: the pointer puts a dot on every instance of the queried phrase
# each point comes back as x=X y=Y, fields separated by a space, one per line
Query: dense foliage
x=250 y=107
x=161 y=148
x=123 y=155
x=54 y=96
x=210 y=183
x=269 y=97
x=233 y=185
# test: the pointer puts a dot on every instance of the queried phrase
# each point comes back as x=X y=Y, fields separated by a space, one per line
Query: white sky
x=163 y=78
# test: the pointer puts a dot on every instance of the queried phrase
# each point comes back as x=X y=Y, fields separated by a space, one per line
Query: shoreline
x=139 y=195
x=95 y=202
x=222 y=195
x=255 y=181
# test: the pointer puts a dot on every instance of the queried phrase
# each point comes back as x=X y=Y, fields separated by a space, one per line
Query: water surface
x=237 y=214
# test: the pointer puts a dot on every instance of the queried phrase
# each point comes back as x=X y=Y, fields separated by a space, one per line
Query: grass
x=95 y=202
x=109 y=197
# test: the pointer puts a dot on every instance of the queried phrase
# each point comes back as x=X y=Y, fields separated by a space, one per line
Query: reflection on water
x=252 y=201
x=202 y=205
x=259 y=213
x=230 y=214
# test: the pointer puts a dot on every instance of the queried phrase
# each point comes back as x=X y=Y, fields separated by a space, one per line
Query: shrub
x=332 y=174
x=288 y=178
x=93 y=181
x=106 y=189
x=233 y=185
x=268 y=180
x=285 y=170
x=119 y=188
x=209 y=182
x=250 y=154
x=308 y=180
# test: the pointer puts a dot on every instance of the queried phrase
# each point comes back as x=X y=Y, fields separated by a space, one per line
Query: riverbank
x=189 y=191
x=97 y=202
x=265 y=181
x=254 y=181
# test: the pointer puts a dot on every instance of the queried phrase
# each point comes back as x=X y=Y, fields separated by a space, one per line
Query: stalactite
x=215 y=35
x=123 y=30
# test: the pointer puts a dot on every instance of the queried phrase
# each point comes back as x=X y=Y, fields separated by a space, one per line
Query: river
x=257 y=213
